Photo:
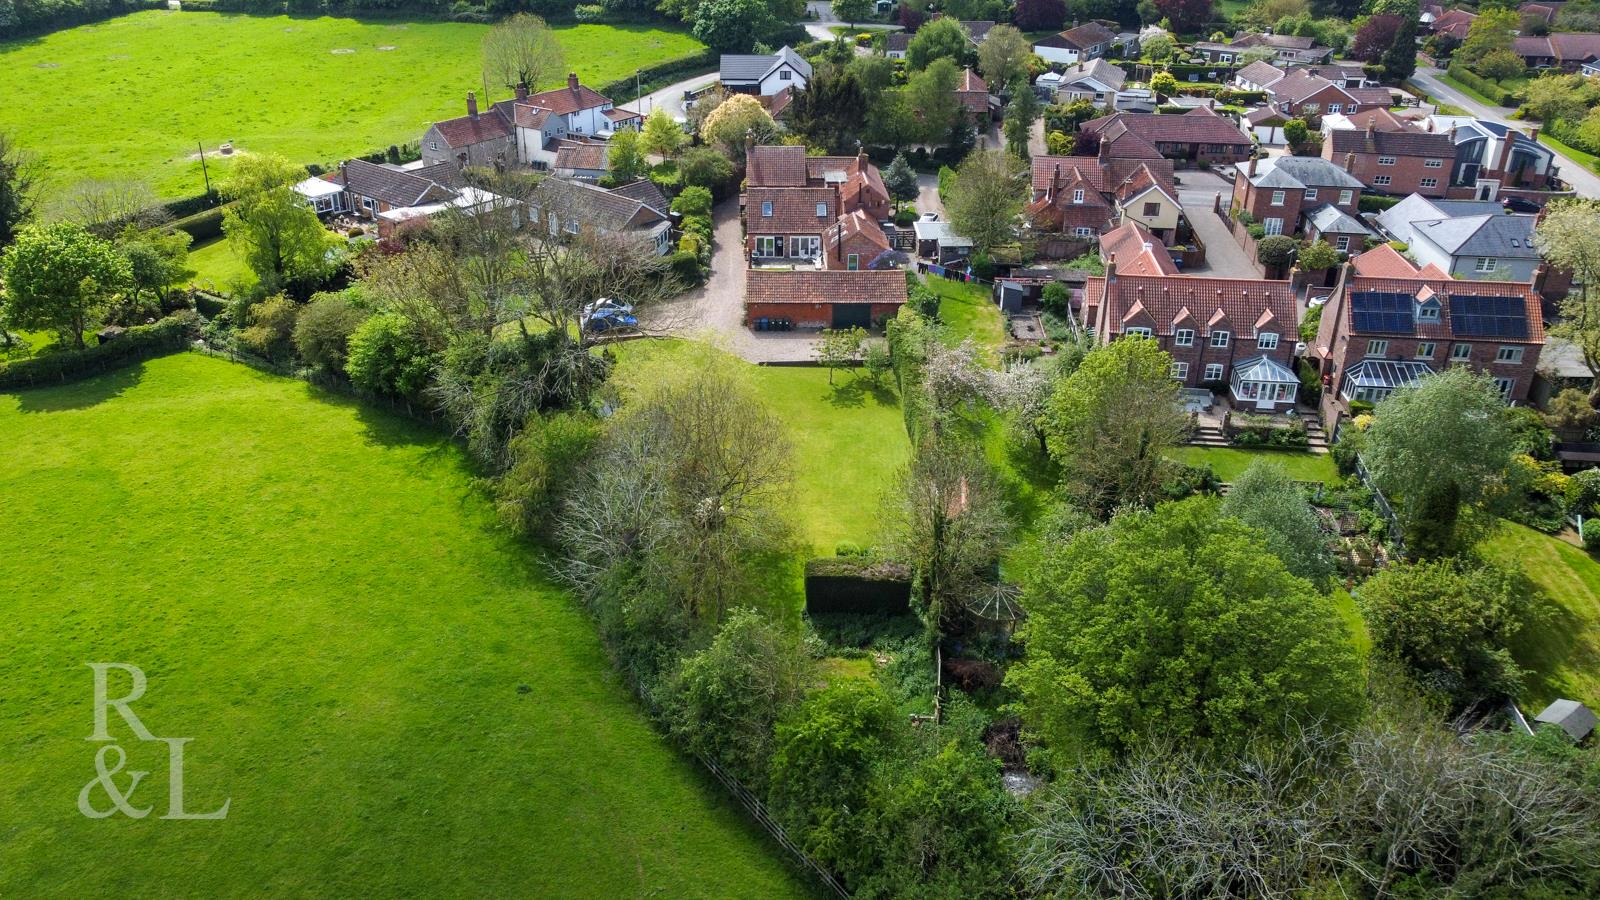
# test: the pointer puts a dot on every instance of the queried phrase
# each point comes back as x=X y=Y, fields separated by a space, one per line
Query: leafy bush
x=271 y=329
x=137 y=343
x=1494 y=92
x=387 y=357
x=544 y=459
x=693 y=201
x=1591 y=535
x=1376 y=202
x=1186 y=481
x=322 y=333
x=1256 y=231
x=685 y=264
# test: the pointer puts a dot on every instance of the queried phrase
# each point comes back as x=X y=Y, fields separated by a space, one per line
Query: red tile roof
x=1080 y=38
x=825 y=286
x=1136 y=251
x=569 y=99
x=1198 y=126
x=1383 y=261
x=1106 y=175
x=1162 y=300
x=1571 y=47
x=794 y=210
x=580 y=156
x=776 y=166
x=1436 y=145
x=469 y=130
x=1443 y=288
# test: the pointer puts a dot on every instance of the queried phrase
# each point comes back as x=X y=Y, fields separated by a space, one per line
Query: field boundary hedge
x=137 y=344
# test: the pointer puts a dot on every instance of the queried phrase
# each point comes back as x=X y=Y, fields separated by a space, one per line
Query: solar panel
x=1477 y=316
x=1388 y=312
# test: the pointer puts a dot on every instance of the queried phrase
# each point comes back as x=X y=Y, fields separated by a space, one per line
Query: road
x=825 y=19
x=1586 y=182
x=669 y=98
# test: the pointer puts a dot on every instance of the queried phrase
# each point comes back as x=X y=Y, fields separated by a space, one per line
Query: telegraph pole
x=203 y=173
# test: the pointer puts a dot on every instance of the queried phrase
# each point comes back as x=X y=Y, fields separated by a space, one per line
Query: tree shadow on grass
x=386 y=426
x=83 y=394
x=853 y=394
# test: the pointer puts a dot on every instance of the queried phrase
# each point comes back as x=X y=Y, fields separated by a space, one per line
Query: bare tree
x=521 y=50
x=105 y=206
x=19 y=183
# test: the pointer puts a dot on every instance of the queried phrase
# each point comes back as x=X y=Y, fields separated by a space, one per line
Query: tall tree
x=1171 y=624
x=1021 y=113
x=661 y=135
x=986 y=198
x=1569 y=237
x=274 y=230
x=1400 y=59
x=735 y=119
x=1040 y=15
x=1111 y=421
x=60 y=277
x=521 y=49
x=733 y=26
x=157 y=260
x=853 y=11
x=1446 y=437
x=625 y=156
x=1185 y=15
x=831 y=111
x=1003 y=56
x=939 y=39
x=931 y=97
x=1265 y=498
x=900 y=180
x=1374 y=37
x=1492 y=30
x=18 y=183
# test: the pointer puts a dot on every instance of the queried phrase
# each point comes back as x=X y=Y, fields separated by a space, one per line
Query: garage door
x=852 y=315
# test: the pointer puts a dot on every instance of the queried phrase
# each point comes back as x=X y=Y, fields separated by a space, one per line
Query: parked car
x=606 y=314
x=1519 y=205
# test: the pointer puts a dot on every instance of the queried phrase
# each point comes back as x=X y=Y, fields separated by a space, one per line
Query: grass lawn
x=132 y=96
x=1561 y=648
x=1587 y=160
x=970 y=312
x=1462 y=87
x=392 y=695
x=217 y=266
x=1229 y=463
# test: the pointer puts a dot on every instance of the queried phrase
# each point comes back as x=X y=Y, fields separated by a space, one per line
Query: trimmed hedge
x=1376 y=202
x=204 y=225
x=841 y=584
x=1494 y=92
x=138 y=343
x=23 y=19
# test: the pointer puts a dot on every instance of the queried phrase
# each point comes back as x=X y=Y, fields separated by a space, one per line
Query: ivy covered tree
x=1172 y=624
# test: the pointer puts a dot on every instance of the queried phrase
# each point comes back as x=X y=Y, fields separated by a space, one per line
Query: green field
x=1560 y=646
x=1229 y=463
x=217 y=267
x=389 y=691
x=134 y=96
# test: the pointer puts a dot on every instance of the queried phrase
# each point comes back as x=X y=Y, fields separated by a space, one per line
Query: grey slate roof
x=592 y=205
x=1104 y=75
x=1495 y=234
x=1260 y=72
x=392 y=186
x=1329 y=219
x=1301 y=172
x=743 y=67
x=1571 y=716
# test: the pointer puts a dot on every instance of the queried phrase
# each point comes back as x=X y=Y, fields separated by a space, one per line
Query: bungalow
x=1199 y=135
x=1235 y=335
x=972 y=94
x=586 y=160
x=764 y=74
x=1096 y=81
x=1394 y=162
x=1545 y=11
x=1567 y=51
x=1287 y=48
x=828 y=298
x=896 y=44
x=569 y=207
x=372 y=188
x=1456 y=23
x=1257 y=75
x=1464 y=238
x=1078 y=44
x=1390 y=323
x=1299 y=93
x=1279 y=191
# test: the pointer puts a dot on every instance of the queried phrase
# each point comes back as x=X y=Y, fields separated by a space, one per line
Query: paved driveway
x=1224 y=257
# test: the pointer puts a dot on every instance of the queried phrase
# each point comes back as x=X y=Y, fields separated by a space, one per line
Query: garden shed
x=1574 y=718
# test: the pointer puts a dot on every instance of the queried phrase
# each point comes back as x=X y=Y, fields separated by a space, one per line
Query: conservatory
x=1265 y=383
x=1371 y=380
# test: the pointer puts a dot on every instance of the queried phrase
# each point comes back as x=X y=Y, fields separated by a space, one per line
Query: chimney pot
x=572 y=81
x=472 y=104
x=1350 y=162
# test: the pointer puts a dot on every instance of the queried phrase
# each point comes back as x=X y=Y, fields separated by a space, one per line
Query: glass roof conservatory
x=1374 y=379
x=1263 y=381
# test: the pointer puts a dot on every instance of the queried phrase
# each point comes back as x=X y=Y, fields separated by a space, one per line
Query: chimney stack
x=1111 y=270
x=522 y=90
x=1372 y=129
x=472 y=104
x=1250 y=168
x=572 y=81
x=1350 y=162
x=1105 y=149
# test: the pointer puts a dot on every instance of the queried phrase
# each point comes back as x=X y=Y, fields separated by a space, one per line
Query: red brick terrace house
x=1199 y=135
x=1388 y=323
x=1232 y=335
x=1280 y=191
x=1085 y=196
x=823 y=299
x=1394 y=162
x=973 y=95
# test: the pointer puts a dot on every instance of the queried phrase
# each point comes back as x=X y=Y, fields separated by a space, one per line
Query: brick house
x=855 y=242
x=1280 y=191
x=1567 y=51
x=1199 y=135
x=1301 y=93
x=1394 y=162
x=791 y=200
x=1085 y=196
x=1388 y=324
x=1286 y=47
x=973 y=96
x=1455 y=22
x=526 y=130
x=1078 y=44
x=1492 y=159
x=825 y=298
x=1232 y=335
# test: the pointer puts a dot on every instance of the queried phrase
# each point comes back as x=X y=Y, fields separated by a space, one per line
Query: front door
x=1487 y=189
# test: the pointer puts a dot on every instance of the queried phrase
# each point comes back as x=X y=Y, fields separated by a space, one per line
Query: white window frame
x=1425 y=349
x=1137 y=331
x=1267 y=340
x=766 y=209
x=1382 y=180
x=1083 y=231
x=1220 y=339
x=805 y=246
x=1386 y=160
x=1277 y=198
x=1377 y=347
x=1433 y=164
x=1342 y=243
x=1461 y=352
x=1427 y=314
x=1506 y=386
x=1213 y=372
x=1428 y=183
x=822 y=210
x=1272 y=226
x=1510 y=355
x=1346 y=197
x=768 y=246
x=1077 y=195
x=1486 y=264
x=1180 y=370
x=1336 y=108
x=1311 y=193
x=1183 y=337
x=853 y=262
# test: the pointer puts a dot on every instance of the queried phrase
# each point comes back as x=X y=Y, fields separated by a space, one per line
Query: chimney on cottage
x=1105 y=149
x=1250 y=168
x=572 y=81
x=1350 y=161
x=472 y=104
x=1055 y=182
x=1111 y=271
x=522 y=90
x=1372 y=129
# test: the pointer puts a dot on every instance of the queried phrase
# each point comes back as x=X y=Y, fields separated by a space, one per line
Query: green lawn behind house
x=1230 y=462
x=218 y=267
x=389 y=691
x=1561 y=646
x=970 y=312
x=132 y=97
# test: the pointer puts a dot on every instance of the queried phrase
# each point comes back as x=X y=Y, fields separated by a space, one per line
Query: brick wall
x=1258 y=202
x=1352 y=349
x=1405 y=176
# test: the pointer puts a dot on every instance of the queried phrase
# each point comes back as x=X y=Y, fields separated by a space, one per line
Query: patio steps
x=1208 y=436
x=1315 y=435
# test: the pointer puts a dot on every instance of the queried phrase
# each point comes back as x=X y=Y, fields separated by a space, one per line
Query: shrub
x=322 y=333
x=137 y=343
x=1494 y=92
x=271 y=329
x=545 y=459
x=685 y=265
x=693 y=201
x=1591 y=535
x=204 y=225
x=1256 y=231
x=1376 y=202
x=387 y=357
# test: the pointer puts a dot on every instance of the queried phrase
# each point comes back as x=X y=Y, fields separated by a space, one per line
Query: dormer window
x=1077 y=195
x=1266 y=341
x=1220 y=338
x=1183 y=337
x=1427 y=312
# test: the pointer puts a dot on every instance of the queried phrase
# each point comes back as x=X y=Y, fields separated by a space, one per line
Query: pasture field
x=133 y=97
x=387 y=689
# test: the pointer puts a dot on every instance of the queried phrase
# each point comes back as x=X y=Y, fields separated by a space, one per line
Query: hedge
x=24 y=19
x=840 y=584
x=1376 y=202
x=202 y=226
x=1494 y=92
x=138 y=343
